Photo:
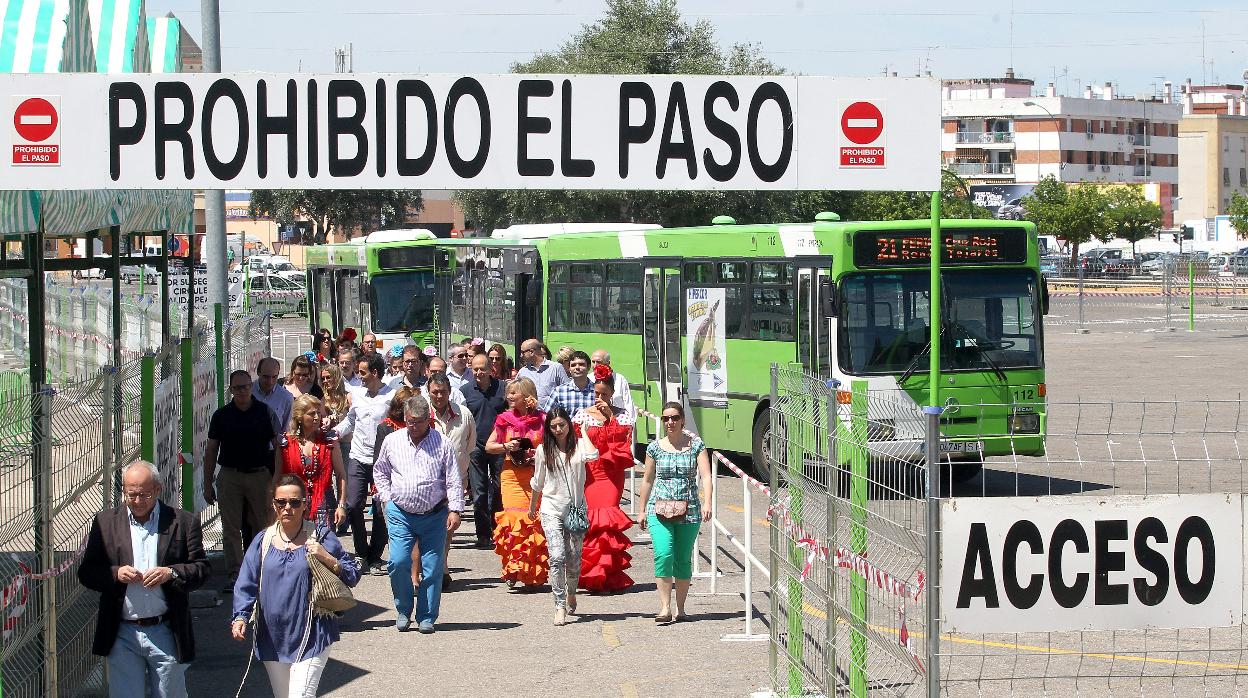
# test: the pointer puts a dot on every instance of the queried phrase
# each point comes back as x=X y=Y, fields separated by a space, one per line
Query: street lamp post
x=1030 y=103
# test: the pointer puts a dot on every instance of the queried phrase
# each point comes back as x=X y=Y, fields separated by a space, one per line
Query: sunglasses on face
x=671 y=418
x=293 y=503
x=462 y=355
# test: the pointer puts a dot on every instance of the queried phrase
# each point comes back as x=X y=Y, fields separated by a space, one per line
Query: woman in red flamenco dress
x=605 y=554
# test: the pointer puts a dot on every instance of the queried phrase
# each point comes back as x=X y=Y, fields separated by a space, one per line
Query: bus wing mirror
x=827 y=297
x=1044 y=295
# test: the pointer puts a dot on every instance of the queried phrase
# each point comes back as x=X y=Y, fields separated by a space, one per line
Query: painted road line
x=1056 y=651
x=741 y=510
x=609 y=635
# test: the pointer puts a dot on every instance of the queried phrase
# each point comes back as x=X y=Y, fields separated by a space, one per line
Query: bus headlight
x=883 y=429
x=1024 y=421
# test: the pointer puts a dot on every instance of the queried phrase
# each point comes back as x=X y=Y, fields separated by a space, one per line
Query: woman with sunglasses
x=674 y=507
x=292 y=637
x=500 y=367
x=518 y=538
x=302 y=377
x=610 y=430
x=306 y=452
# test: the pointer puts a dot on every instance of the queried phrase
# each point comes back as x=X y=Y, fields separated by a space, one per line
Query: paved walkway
x=495 y=642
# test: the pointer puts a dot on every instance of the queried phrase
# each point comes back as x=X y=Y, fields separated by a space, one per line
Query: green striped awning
x=46 y=36
x=164 y=38
x=49 y=36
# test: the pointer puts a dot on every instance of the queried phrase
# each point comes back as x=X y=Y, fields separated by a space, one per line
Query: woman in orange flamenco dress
x=518 y=538
x=605 y=554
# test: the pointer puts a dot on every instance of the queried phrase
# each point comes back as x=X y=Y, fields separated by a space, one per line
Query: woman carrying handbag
x=559 y=475
x=675 y=507
x=294 y=577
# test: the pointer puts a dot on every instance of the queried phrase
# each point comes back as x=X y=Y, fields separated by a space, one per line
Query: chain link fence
x=858 y=588
x=55 y=478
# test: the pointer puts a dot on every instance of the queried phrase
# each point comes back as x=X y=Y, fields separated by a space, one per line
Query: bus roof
x=403 y=235
x=540 y=231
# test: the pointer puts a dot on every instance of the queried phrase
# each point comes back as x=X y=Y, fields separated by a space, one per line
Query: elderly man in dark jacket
x=144 y=558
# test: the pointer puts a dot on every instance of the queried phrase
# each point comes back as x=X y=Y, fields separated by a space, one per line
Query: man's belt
x=145 y=622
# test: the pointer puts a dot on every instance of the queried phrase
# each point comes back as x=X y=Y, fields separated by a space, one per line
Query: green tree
x=646 y=37
x=1238 y=212
x=336 y=211
x=1131 y=216
x=905 y=205
x=1076 y=214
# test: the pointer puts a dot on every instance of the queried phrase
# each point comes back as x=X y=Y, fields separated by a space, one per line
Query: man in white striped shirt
x=419 y=483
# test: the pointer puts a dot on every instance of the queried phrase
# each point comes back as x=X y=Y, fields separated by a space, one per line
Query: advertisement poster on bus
x=706 y=351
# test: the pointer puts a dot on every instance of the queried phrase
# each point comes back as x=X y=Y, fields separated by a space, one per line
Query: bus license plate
x=961 y=446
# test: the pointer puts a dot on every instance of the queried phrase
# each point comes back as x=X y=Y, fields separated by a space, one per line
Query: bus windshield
x=989 y=321
x=402 y=301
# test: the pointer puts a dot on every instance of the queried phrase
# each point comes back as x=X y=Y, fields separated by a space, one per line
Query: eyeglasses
x=671 y=418
x=293 y=502
x=411 y=361
x=461 y=355
x=139 y=496
x=327 y=379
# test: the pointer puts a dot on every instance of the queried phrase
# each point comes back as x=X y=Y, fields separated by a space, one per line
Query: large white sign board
x=1022 y=564
x=389 y=131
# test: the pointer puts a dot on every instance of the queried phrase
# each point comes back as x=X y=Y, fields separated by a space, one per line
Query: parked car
x=1108 y=262
x=1054 y=265
x=1220 y=264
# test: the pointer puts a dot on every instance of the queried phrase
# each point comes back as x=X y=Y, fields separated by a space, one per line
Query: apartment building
x=1213 y=149
x=998 y=131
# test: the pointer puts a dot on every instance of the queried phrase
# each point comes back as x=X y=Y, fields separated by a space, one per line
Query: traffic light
x=1187 y=232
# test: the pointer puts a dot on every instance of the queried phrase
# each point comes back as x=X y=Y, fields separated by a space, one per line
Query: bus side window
x=622 y=305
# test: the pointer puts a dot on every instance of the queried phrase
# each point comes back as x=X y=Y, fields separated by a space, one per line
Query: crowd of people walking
x=538 y=453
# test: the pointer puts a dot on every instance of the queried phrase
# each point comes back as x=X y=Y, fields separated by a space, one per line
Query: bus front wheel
x=761 y=443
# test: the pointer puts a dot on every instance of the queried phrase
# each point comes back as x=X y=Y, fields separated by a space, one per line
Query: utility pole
x=214 y=199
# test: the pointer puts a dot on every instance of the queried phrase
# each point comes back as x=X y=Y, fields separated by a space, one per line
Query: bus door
x=813 y=326
x=662 y=306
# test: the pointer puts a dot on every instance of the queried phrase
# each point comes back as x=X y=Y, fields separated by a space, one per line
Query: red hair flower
x=602 y=372
x=348 y=335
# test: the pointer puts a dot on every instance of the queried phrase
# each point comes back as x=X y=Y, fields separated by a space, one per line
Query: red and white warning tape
x=847 y=559
x=16 y=592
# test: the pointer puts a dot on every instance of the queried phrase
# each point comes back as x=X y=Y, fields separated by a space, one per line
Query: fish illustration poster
x=706 y=354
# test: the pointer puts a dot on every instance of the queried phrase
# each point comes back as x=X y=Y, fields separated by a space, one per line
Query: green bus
x=699 y=314
x=382 y=283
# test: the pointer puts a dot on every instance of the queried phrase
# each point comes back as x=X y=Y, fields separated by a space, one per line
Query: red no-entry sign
x=36 y=136
x=35 y=119
x=863 y=124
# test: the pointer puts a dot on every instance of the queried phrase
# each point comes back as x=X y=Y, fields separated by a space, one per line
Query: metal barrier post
x=106 y=438
x=1191 y=296
x=931 y=565
x=829 y=536
x=1081 y=329
x=147 y=408
x=1168 y=290
x=714 y=484
x=858 y=678
x=222 y=352
x=773 y=532
x=188 y=422
x=1217 y=289
x=798 y=447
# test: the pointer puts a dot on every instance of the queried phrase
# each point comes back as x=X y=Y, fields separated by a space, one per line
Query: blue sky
x=1136 y=45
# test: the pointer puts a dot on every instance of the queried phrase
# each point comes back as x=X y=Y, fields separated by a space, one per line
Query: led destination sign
x=913 y=248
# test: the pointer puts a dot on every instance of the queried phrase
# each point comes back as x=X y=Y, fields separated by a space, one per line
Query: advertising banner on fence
x=1024 y=564
x=706 y=352
x=204 y=385
x=168 y=440
x=180 y=283
x=404 y=131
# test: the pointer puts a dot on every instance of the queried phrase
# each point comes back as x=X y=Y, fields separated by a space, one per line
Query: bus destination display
x=904 y=248
x=405 y=257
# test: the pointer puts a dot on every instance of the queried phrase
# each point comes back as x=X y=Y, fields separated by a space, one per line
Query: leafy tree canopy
x=336 y=211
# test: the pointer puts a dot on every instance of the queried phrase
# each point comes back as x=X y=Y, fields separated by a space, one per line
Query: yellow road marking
x=740 y=510
x=628 y=690
x=609 y=635
x=1043 y=650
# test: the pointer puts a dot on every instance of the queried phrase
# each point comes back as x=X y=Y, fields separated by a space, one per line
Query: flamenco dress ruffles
x=605 y=554
x=518 y=539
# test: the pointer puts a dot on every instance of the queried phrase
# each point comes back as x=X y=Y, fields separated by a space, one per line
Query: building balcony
x=983 y=137
x=983 y=169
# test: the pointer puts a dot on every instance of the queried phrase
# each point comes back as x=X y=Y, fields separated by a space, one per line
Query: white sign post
x=390 y=131
x=1021 y=564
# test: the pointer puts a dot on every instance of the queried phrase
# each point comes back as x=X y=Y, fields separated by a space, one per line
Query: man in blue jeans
x=419 y=484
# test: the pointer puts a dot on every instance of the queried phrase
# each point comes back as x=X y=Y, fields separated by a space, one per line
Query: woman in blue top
x=292 y=639
x=674 y=507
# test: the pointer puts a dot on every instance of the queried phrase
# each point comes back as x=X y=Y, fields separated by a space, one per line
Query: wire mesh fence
x=856 y=576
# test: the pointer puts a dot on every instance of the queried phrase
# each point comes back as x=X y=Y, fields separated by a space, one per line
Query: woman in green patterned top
x=674 y=465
